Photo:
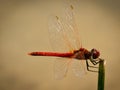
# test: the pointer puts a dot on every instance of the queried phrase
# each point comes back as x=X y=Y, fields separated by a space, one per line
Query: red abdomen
x=51 y=54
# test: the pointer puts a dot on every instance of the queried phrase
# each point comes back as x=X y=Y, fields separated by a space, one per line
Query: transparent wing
x=70 y=27
x=78 y=68
x=61 y=67
x=64 y=37
x=58 y=41
x=63 y=32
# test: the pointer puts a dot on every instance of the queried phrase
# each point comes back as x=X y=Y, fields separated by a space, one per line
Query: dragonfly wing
x=70 y=27
x=63 y=31
x=61 y=67
x=57 y=38
x=78 y=68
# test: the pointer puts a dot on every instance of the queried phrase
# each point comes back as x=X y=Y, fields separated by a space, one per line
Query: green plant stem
x=101 y=75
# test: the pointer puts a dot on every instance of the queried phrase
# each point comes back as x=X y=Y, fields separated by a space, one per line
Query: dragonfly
x=64 y=37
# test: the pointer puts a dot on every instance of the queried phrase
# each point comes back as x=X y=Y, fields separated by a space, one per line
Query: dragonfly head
x=95 y=53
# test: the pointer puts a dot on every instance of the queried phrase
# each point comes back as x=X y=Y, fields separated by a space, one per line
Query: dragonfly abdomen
x=51 y=54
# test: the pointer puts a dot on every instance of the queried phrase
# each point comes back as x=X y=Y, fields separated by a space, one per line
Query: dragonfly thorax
x=83 y=54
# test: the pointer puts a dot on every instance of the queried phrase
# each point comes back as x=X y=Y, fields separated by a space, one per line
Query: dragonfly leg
x=88 y=67
x=94 y=61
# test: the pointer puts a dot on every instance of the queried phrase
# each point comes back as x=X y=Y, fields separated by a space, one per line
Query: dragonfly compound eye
x=95 y=53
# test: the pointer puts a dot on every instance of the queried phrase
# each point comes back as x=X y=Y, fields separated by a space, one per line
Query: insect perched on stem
x=64 y=38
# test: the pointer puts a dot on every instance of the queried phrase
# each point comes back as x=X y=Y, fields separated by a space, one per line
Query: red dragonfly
x=65 y=41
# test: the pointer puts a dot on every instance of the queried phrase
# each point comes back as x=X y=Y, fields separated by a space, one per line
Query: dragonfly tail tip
x=29 y=54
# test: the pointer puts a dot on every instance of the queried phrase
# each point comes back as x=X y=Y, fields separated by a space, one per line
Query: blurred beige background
x=23 y=28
